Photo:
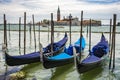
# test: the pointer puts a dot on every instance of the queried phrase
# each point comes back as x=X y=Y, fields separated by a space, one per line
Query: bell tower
x=58 y=14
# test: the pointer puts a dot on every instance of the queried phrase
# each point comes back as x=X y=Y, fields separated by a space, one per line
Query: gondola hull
x=52 y=64
x=63 y=58
x=27 y=58
x=95 y=58
x=35 y=56
x=23 y=59
x=49 y=63
x=87 y=67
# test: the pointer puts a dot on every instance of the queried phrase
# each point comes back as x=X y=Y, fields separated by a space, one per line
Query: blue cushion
x=60 y=56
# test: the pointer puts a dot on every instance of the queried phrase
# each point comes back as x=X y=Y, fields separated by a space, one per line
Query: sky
x=94 y=9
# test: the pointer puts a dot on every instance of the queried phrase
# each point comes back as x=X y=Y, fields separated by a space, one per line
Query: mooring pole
x=112 y=55
x=4 y=18
x=111 y=44
x=30 y=27
x=39 y=33
x=24 y=33
x=110 y=33
x=9 y=32
x=20 y=35
x=5 y=31
x=5 y=43
x=34 y=32
x=48 y=33
x=90 y=36
x=6 y=68
x=87 y=31
x=114 y=32
x=52 y=32
x=70 y=17
x=81 y=24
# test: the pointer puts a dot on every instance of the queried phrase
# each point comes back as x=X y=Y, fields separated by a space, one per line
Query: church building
x=58 y=14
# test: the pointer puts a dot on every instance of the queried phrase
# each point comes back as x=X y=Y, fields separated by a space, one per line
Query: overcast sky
x=95 y=9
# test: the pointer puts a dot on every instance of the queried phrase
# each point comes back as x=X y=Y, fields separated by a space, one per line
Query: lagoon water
x=68 y=72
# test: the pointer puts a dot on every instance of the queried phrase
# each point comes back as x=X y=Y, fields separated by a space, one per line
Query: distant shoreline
x=55 y=25
x=63 y=31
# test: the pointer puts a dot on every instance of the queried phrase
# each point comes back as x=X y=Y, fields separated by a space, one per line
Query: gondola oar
x=34 y=32
x=20 y=35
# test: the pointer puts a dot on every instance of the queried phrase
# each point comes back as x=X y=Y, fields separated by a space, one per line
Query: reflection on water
x=93 y=74
x=61 y=72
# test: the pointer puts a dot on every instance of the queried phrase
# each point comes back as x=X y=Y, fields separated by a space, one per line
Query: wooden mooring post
x=24 y=32
x=112 y=54
x=70 y=23
x=90 y=36
x=52 y=32
x=81 y=24
x=20 y=35
x=34 y=31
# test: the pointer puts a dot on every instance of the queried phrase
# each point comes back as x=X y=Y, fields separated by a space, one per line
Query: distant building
x=75 y=21
x=58 y=14
x=93 y=22
x=65 y=21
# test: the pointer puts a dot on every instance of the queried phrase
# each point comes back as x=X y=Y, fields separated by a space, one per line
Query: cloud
x=5 y=1
x=42 y=8
x=102 y=1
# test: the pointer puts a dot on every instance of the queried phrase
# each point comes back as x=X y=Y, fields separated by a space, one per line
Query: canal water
x=67 y=72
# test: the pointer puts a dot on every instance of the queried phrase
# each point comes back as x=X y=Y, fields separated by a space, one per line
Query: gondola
x=96 y=56
x=35 y=56
x=63 y=58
